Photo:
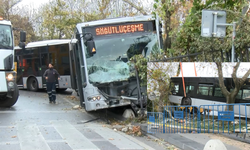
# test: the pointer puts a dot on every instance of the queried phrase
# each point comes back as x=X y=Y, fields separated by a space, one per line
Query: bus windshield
x=110 y=63
x=6 y=37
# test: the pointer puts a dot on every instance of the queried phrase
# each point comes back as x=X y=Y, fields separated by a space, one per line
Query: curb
x=178 y=143
x=234 y=137
x=156 y=139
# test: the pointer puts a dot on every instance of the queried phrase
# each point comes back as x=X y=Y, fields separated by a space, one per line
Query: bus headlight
x=94 y=98
x=10 y=77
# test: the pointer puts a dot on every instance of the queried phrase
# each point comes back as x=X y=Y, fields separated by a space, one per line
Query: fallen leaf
x=111 y=139
x=14 y=136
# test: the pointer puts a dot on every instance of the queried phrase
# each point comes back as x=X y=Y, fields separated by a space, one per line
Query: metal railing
x=217 y=118
x=155 y=122
x=225 y=118
x=181 y=119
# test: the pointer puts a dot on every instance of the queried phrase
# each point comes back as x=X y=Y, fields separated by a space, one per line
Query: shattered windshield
x=111 y=61
x=5 y=37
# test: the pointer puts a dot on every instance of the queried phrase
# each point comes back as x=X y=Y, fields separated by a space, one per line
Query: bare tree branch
x=140 y=9
x=221 y=81
x=243 y=79
x=236 y=67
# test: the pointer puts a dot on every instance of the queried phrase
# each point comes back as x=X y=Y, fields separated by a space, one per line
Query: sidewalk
x=185 y=141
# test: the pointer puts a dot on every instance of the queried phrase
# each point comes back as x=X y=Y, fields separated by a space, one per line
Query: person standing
x=51 y=75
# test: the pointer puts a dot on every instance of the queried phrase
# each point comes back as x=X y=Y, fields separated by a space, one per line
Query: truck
x=9 y=92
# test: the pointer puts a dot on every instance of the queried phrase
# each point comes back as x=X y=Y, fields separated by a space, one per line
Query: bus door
x=44 y=65
x=53 y=60
x=19 y=70
x=72 y=67
x=44 y=59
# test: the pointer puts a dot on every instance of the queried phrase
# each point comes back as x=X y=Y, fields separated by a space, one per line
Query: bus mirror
x=91 y=47
x=22 y=36
x=22 y=45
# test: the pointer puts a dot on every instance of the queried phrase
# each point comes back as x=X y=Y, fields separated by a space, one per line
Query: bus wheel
x=186 y=101
x=32 y=84
x=9 y=102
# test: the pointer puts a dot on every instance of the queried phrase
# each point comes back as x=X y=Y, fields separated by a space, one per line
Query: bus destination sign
x=119 y=29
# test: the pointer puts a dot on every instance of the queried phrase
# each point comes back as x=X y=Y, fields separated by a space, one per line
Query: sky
x=35 y=3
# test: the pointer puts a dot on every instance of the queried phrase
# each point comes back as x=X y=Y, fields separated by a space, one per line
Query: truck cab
x=8 y=89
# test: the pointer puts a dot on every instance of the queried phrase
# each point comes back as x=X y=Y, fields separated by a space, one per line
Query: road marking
x=68 y=101
x=30 y=137
x=72 y=136
x=116 y=139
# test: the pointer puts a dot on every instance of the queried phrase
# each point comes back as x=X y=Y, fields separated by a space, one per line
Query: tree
x=58 y=19
x=171 y=13
x=158 y=77
x=6 y=6
x=137 y=7
x=19 y=19
x=238 y=82
x=22 y=23
x=189 y=40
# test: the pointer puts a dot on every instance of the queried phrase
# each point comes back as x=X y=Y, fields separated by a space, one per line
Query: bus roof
x=116 y=20
x=5 y=22
x=46 y=43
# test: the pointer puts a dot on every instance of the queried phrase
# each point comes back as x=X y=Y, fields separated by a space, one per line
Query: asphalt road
x=35 y=124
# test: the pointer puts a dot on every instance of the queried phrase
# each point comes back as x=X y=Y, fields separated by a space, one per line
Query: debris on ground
x=72 y=97
x=128 y=129
x=77 y=107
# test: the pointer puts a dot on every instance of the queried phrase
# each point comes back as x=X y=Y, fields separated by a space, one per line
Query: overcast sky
x=35 y=3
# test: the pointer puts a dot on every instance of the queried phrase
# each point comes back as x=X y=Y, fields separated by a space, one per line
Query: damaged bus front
x=100 y=57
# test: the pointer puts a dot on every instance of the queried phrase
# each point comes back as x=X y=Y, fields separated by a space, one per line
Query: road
x=35 y=124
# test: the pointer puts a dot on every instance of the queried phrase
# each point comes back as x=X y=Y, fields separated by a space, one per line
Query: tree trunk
x=238 y=82
x=160 y=103
x=167 y=22
x=230 y=100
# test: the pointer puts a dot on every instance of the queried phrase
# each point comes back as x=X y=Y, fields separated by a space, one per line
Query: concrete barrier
x=214 y=144
x=128 y=113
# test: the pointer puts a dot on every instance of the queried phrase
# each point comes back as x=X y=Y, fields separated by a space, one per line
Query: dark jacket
x=52 y=75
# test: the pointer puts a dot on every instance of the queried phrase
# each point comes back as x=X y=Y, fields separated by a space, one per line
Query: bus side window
x=44 y=59
x=246 y=94
x=238 y=96
x=206 y=90
x=175 y=88
x=217 y=92
x=189 y=89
